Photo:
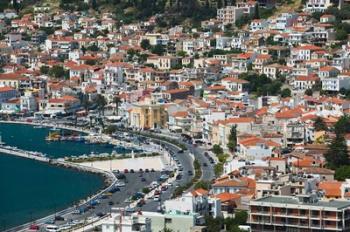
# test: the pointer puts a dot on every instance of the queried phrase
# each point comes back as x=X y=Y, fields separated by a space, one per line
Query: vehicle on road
x=51 y=228
x=114 y=189
x=119 y=184
x=156 y=198
x=189 y=172
x=34 y=227
x=130 y=210
x=140 y=203
x=120 y=176
x=100 y=214
x=59 y=218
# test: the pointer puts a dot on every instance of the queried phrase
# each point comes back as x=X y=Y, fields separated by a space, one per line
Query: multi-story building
x=317 y=5
x=147 y=115
x=336 y=83
x=298 y=213
x=229 y=14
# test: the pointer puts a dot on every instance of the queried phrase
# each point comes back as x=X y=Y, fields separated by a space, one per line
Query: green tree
x=101 y=103
x=337 y=154
x=286 y=93
x=217 y=149
x=57 y=71
x=181 y=53
x=319 y=124
x=308 y=92
x=158 y=49
x=343 y=125
x=110 y=129
x=342 y=173
x=93 y=48
x=116 y=101
x=16 y=5
x=202 y=184
x=94 y=4
x=256 y=12
x=218 y=169
x=232 y=144
x=341 y=34
x=145 y=44
x=214 y=224
x=44 y=69
x=85 y=102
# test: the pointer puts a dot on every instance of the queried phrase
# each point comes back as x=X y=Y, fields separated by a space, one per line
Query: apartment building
x=336 y=83
x=229 y=14
x=298 y=213
x=317 y=5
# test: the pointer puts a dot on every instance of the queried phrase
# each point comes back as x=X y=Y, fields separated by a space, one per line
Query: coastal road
x=198 y=152
x=133 y=184
x=207 y=168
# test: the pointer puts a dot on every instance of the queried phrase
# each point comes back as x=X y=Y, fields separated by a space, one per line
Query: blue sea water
x=33 y=139
x=30 y=189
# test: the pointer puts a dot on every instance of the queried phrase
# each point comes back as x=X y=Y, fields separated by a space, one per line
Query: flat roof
x=338 y=204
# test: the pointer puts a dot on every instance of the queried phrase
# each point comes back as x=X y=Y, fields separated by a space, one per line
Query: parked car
x=34 y=227
x=59 y=218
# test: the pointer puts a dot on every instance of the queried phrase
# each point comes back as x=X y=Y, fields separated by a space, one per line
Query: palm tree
x=116 y=100
x=85 y=102
x=101 y=103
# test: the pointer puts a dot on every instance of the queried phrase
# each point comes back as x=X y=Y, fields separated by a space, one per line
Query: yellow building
x=148 y=116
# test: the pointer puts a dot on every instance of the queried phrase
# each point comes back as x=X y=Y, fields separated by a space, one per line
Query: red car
x=34 y=227
x=126 y=171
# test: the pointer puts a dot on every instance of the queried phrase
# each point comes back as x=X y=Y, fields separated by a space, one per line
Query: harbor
x=134 y=156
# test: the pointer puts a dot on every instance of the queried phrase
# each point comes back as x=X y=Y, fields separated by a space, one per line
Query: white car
x=154 y=184
x=156 y=198
x=51 y=228
x=119 y=184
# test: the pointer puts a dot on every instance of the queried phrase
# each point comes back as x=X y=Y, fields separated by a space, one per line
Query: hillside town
x=262 y=91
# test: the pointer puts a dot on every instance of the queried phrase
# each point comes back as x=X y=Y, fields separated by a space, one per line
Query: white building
x=194 y=202
x=283 y=21
x=175 y=221
x=229 y=14
x=336 y=83
x=132 y=223
x=28 y=102
x=317 y=5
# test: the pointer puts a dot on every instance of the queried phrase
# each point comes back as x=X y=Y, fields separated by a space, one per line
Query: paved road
x=208 y=170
